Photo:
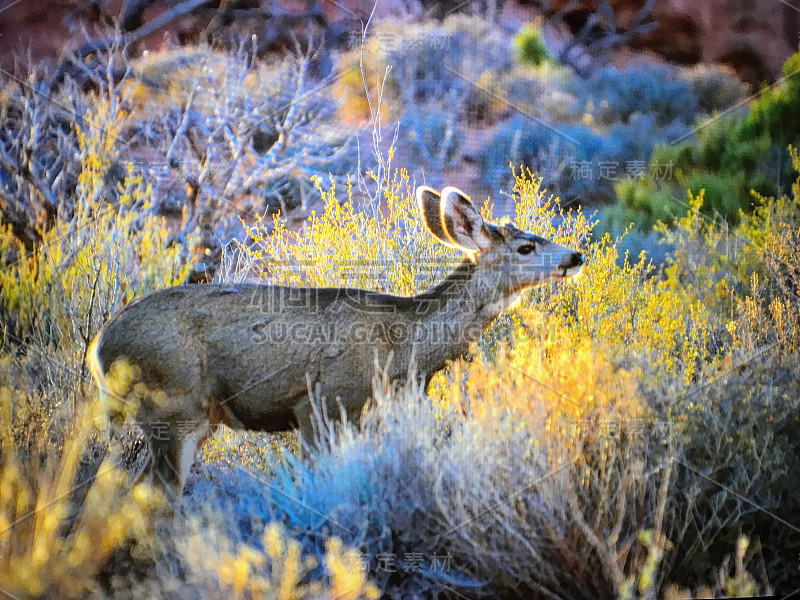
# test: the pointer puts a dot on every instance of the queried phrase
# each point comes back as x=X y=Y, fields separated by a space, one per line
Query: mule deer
x=243 y=355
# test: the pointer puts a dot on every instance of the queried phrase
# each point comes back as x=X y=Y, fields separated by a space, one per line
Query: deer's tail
x=110 y=396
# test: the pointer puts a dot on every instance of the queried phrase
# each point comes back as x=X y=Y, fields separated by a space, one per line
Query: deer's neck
x=455 y=313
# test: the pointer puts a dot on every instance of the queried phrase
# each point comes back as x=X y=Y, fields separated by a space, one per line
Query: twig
x=87 y=338
x=123 y=39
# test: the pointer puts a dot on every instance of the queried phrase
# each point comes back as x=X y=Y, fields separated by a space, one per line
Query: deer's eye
x=526 y=249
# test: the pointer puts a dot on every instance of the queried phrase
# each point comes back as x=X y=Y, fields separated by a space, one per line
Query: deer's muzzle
x=571 y=264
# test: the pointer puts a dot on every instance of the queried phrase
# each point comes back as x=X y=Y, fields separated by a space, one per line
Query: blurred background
x=233 y=107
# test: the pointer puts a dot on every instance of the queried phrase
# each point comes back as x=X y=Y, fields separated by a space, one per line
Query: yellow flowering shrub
x=612 y=312
x=62 y=517
x=387 y=249
x=61 y=291
x=45 y=548
x=281 y=571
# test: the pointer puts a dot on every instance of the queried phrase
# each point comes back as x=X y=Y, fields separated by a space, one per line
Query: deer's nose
x=574 y=259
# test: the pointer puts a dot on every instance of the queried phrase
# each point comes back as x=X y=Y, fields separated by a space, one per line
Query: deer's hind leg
x=173 y=444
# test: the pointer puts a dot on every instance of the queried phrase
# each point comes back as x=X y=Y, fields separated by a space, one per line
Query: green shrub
x=641 y=204
x=721 y=193
x=776 y=113
x=529 y=46
x=737 y=154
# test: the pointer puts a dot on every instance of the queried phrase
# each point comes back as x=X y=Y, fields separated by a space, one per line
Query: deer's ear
x=462 y=222
x=429 y=203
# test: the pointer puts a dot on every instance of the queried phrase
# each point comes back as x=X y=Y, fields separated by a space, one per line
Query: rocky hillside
x=752 y=37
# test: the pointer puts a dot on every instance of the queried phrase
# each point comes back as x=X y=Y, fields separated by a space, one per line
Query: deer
x=185 y=359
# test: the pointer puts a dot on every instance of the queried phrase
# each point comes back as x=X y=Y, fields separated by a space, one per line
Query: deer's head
x=521 y=258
